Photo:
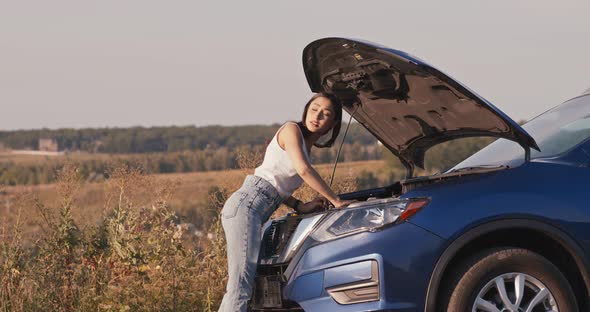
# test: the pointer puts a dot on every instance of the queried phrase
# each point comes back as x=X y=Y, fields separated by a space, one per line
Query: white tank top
x=277 y=168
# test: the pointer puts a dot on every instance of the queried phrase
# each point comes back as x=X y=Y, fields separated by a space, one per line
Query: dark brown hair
x=336 y=106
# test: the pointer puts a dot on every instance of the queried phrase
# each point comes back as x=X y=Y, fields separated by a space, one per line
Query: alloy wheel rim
x=514 y=292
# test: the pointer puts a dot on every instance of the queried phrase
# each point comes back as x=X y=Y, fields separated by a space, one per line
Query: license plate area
x=267 y=292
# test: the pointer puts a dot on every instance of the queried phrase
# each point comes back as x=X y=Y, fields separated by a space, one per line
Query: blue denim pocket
x=230 y=208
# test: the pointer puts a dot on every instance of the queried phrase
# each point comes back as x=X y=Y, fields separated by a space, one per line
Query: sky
x=122 y=63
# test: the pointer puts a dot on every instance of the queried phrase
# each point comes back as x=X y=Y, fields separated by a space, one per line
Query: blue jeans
x=242 y=217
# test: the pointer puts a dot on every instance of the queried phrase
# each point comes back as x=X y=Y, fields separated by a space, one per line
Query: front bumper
x=398 y=259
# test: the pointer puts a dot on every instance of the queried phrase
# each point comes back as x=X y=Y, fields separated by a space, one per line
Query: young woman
x=285 y=167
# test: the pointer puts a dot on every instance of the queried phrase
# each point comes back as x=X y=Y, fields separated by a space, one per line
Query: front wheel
x=509 y=280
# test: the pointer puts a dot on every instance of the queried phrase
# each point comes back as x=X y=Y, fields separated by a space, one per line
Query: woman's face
x=320 y=116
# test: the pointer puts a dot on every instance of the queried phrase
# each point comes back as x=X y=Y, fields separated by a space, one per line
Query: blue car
x=507 y=229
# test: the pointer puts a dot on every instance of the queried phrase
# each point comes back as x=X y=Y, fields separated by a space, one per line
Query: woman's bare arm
x=290 y=140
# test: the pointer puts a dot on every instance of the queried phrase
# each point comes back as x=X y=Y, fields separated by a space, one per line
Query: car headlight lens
x=367 y=216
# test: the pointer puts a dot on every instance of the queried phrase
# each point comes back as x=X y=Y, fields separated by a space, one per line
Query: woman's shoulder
x=289 y=131
x=291 y=128
x=291 y=124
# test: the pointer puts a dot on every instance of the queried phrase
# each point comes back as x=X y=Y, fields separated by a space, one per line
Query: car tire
x=478 y=283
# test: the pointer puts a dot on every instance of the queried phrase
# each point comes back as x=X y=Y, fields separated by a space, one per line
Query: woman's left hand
x=318 y=204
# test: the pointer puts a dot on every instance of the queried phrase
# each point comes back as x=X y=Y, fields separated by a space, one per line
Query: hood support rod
x=409 y=170
x=342 y=143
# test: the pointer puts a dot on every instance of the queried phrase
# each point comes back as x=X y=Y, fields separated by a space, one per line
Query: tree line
x=157 y=139
x=194 y=149
x=208 y=159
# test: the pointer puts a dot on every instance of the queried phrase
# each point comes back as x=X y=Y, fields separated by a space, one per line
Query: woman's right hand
x=339 y=203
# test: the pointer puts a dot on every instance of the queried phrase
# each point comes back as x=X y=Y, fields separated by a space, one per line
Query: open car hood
x=407 y=104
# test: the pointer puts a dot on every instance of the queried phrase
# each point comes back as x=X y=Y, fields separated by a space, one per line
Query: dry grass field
x=190 y=198
x=126 y=243
x=21 y=158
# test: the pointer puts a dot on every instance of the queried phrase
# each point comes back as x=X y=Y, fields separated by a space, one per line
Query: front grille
x=267 y=292
x=277 y=236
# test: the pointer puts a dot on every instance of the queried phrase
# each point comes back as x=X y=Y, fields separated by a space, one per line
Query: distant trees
x=193 y=149
x=208 y=159
x=160 y=149
x=157 y=139
x=443 y=156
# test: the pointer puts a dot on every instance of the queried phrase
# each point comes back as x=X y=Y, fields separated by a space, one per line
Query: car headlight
x=367 y=216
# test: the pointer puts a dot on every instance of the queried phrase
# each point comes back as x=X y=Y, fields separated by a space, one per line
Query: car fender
x=572 y=247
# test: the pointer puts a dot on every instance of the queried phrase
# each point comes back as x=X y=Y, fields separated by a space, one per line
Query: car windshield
x=555 y=131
